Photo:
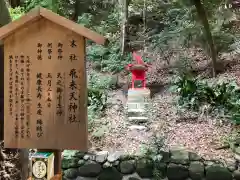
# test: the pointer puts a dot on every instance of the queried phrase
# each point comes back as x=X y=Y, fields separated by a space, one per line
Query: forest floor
x=194 y=131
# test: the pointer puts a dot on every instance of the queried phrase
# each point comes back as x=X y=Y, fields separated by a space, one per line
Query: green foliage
x=98 y=85
x=97 y=99
x=152 y=151
x=16 y=13
x=183 y=27
x=223 y=96
x=49 y=4
x=109 y=58
x=101 y=81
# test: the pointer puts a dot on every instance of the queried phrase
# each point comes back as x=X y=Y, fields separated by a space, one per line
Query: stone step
x=137 y=106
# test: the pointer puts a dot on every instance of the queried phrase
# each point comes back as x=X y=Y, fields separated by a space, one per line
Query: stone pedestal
x=138 y=105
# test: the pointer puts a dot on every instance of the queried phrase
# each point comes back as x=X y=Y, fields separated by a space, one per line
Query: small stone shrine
x=138 y=98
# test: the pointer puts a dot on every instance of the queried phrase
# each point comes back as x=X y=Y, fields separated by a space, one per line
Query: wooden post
x=24 y=159
x=57 y=162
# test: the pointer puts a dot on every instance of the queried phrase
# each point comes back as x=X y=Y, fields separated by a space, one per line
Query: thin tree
x=203 y=16
x=124 y=15
x=4 y=19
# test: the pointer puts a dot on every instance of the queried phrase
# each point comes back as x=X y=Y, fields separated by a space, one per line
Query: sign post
x=45 y=105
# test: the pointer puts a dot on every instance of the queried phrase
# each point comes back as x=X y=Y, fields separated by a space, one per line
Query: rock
x=237 y=153
x=209 y=163
x=165 y=156
x=79 y=154
x=177 y=172
x=71 y=173
x=70 y=163
x=179 y=156
x=231 y=165
x=116 y=163
x=110 y=174
x=90 y=169
x=138 y=127
x=86 y=157
x=68 y=153
x=194 y=156
x=217 y=172
x=114 y=156
x=144 y=167
x=236 y=175
x=127 y=167
x=89 y=157
x=161 y=169
x=196 y=170
x=101 y=156
x=127 y=157
x=107 y=164
x=131 y=176
x=85 y=178
x=81 y=162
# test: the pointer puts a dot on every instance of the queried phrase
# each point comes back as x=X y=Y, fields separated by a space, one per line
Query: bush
x=108 y=58
x=16 y=13
x=223 y=96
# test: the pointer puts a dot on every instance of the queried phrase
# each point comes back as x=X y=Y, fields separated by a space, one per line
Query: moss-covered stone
x=144 y=167
x=217 y=172
x=110 y=174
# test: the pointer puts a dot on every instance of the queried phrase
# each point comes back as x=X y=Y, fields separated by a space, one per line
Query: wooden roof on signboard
x=40 y=12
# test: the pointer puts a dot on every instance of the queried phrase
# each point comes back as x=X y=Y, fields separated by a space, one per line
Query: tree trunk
x=4 y=19
x=124 y=14
x=203 y=16
x=15 y=3
x=4 y=13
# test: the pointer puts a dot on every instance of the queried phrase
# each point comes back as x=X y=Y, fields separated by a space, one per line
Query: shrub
x=223 y=96
x=108 y=58
x=16 y=13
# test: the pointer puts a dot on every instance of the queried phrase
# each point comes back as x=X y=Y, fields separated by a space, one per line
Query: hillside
x=195 y=100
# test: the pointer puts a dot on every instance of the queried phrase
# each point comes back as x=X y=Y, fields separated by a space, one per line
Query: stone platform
x=138 y=104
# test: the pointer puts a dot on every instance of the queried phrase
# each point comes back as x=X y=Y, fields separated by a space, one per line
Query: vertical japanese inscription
x=39 y=123
x=73 y=98
x=16 y=95
x=73 y=56
x=60 y=85
x=28 y=105
x=73 y=105
x=22 y=109
x=49 y=90
x=39 y=51
x=60 y=51
x=11 y=85
x=11 y=95
x=49 y=46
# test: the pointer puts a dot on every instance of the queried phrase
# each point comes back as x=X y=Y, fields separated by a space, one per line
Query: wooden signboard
x=45 y=105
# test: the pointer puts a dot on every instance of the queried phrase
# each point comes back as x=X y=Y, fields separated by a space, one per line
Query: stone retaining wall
x=173 y=165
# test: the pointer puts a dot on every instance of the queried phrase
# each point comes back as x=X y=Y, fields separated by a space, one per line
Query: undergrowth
x=221 y=97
